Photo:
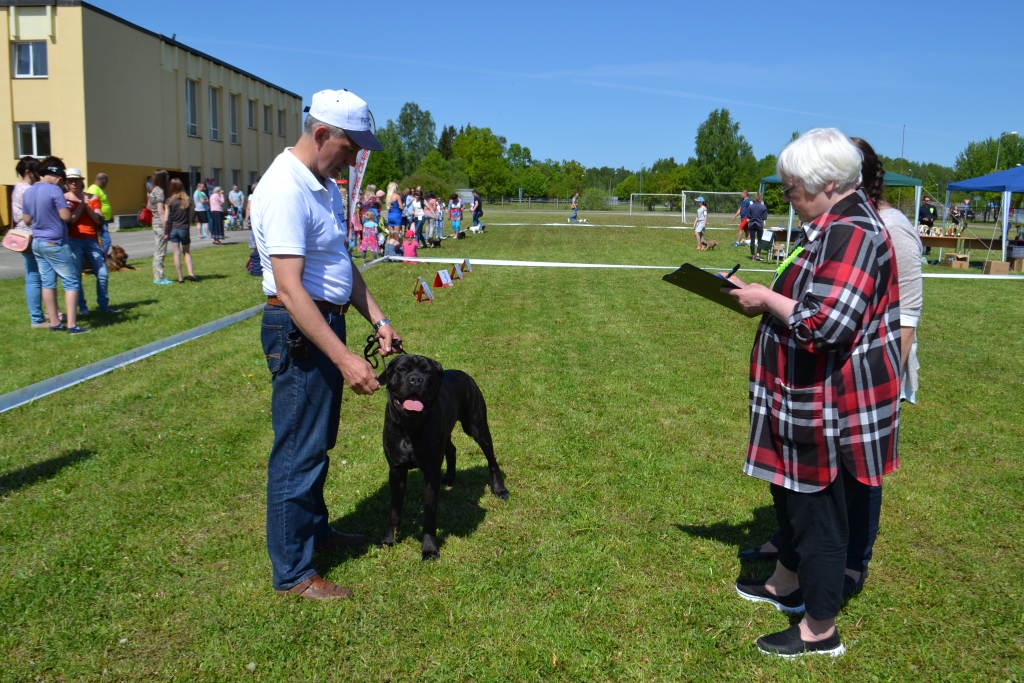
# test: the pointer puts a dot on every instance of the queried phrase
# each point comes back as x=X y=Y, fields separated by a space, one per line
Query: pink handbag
x=18 y=239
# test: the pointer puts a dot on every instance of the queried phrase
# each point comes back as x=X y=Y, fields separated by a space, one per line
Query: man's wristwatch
x=381 y=323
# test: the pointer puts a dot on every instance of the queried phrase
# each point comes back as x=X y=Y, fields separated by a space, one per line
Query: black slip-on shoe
x=850 y=586
x=754 y=554
x=755 y=591
x=789 y=645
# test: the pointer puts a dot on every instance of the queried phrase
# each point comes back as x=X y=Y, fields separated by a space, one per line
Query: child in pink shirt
x=409 y=245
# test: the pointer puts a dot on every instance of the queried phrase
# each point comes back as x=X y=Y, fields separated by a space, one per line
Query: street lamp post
x=1000 y=144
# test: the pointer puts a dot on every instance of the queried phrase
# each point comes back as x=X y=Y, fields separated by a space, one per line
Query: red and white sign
x=442 y=279
x=422 y=292
x=355 y=180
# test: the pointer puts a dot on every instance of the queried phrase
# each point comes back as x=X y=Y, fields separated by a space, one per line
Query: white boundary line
x=20 y=397
x=598 y=225
x=561 y=264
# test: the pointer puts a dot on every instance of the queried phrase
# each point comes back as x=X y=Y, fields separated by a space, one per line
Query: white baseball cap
x=342 y=109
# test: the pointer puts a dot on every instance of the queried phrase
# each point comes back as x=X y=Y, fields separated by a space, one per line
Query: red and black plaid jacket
x=825 y=384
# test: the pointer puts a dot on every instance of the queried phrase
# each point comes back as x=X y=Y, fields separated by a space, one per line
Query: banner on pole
x=442 y=279
x=355 y=181
x=422 y=292
x=357 y=173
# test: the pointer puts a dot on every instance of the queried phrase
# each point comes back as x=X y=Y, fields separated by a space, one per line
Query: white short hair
x=821 y=155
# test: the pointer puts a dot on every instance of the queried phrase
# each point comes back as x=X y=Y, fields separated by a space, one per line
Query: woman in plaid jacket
x=824 y=383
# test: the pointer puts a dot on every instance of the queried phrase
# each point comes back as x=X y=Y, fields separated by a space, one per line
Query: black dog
x=424 y=403
x=434 y=243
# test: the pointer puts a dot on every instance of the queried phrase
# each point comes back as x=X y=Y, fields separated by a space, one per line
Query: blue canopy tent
x=891 y=180
x=1007 y=182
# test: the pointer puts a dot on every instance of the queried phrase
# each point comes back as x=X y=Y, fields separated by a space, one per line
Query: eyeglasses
x=787 y=192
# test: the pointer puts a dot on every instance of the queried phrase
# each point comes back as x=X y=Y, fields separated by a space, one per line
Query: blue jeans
x=863 y=512
x=33 y=287
x=90 y=250
x=56 y=260
x=419 y=232
x=105 y=237
x=477 y=215
x=573 y=216
x=305 y=408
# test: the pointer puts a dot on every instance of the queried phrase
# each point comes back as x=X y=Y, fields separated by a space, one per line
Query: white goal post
x=716 y=202
x=652 y=199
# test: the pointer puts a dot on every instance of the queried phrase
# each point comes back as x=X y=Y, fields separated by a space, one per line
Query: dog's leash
x=372 y=349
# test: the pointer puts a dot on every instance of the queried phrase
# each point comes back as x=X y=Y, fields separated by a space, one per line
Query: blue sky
x=620 y=84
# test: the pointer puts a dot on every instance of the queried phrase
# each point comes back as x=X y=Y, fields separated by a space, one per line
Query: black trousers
x=813 y=536
x=754 y=233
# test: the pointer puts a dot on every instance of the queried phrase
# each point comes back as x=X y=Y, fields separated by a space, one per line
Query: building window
x=195 y=175
x=252 y=179
x=236 y=177
x=280 y=122
x=192 y=108
x=33 y=139
x=214 y=113
x=266 y=118
x=30 y=60
x=250 y=119
x=215 y=177
x=233 y=107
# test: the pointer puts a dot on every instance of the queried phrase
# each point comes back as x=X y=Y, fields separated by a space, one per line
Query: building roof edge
x=159 y=36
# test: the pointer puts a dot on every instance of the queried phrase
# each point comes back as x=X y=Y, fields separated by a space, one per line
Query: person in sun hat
x=84 y=238
x=299 y=225
x=700 y=223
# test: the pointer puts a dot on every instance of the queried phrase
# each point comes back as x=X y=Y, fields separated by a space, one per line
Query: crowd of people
x=389 y=222
x=68 y=227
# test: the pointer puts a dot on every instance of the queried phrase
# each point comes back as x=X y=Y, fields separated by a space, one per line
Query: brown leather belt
x=324 y=306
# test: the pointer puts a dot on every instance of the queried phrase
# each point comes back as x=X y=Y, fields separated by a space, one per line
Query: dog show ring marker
x=467 y=266
x=442 y=279
x=456 y=272
x=422 y=292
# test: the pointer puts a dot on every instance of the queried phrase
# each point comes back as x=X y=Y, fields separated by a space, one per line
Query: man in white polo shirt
x=298 y=222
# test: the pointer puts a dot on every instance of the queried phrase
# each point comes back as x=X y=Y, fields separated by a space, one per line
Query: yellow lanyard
x=787 y=263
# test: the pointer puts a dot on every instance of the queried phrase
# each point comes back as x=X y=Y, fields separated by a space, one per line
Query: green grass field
x=132 y=506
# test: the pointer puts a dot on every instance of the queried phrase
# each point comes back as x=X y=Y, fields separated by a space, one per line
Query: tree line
x=416 y=155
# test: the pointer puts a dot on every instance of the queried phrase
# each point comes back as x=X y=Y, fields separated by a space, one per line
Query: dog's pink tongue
x=413 y=405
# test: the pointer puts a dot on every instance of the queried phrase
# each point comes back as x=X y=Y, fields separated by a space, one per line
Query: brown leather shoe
x=315 y=588
x=340 y=540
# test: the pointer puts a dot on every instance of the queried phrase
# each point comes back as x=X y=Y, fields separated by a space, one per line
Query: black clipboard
x=707 y=285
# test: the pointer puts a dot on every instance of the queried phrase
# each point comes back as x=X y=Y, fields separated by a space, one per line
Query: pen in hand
x=731 y=272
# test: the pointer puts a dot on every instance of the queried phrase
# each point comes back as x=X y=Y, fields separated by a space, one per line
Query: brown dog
x=711 y=244
x=118 y=259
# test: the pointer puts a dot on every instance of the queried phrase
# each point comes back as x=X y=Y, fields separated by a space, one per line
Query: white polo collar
x=304 y=172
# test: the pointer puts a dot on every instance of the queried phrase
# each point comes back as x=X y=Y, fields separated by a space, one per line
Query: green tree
x=979 y=158
x=519 y=157
x=381 y=169
x=430 y=183
x=532 y=181
x=417 y=131
x=435 y=165
x=724 y=160
x=628 y=186
x=486 y=166
x=444 y=143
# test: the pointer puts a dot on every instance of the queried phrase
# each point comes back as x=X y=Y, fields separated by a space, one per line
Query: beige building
x=108 y=96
